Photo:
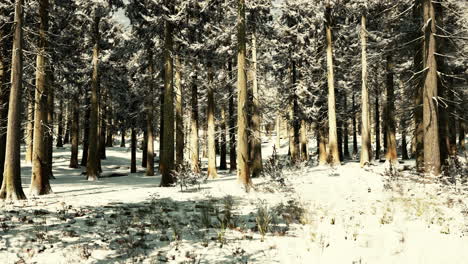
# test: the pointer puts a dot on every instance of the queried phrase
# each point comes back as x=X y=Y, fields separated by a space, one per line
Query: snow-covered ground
x=322 y=215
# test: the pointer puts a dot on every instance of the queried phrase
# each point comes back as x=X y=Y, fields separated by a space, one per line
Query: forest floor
x=316 y=215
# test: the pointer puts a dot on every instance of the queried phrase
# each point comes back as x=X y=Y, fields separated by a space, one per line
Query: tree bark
x=390 y=128
x=243 y=170
x=194 y=148
x=223 y=139
x=60 y=126
x=322 y=143
x=75 y=133
x=430 y=115
x=122 y=138
x=92 y=165
x=212 y=172
x=4 y=96
x=179 y=114
x=11 y=185
x=346 y=154
x=355 y=145
x=30 y=127
x=232 y=122
x=304 y=141
x=40 y=179
x=278 y=131
x=149 y=122
x=257 y=165
x=167 y=154
x=334 y=157
x=84 y=157
x=418 y=100
x=133 y=152
x=366 y=148
x=293 y=126
x=377 y=127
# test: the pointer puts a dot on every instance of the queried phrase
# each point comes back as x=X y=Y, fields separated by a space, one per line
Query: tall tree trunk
x=11 y=185
x=84 y=156
x=418 y=100
x=390 y=137
x=303 y=141
x=278 y=131
x=322 y=143
x=223 y=139
x=133 y=143
x=75 y=132
x=40 y=179
x=404 y=150
x=92 y=165
x=122 y=138
x=334 y=157
x=194 y=148
x=60 y=126
x=110 y=125
x=431 y=128
x=257 y=165
x=243 y=170
x=149 y=122
x=179 y=114
x=4 y=96
x=49 y=136
x=232 y=122
x=340 y=139
x=366 y=148
x=167 y=154
x=212 y=172
x=346 y=154
x=461 y=135
x=355 y=145
x=102 y=101
x=144 y=147
x=30 y=127
x=69 y=117
x=377 y=127
x=293 y=126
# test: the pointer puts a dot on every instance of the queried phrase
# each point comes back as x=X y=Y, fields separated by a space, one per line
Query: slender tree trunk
x=92 y=166
x=212 y=172
x=75 y=133
x=84 y=157
x=40 y=179
x=346 y=154
x=179 y=114
x=144 y=147
x=11 y=185
x=243 y=170
x=102 y=100
x=431 y=129
x=377 y=127
x=355 y=145
x=366 y=148
x=391 y=151
x=404 y=150
x=4 y=94
x=322 y=143
x=461 y=135
x=303 y=141
x=149 y=124
x=194 y=148
x=167 y=154
x=334 y=157
x=30 y=127
x=69 y=117
x=110 y=125
x=232 y=123
x=340 y=139
x=122 y=139
x=257 y=165
x=293 y=126
x=60 y=125
x=133 y=152
x=49 y=136
x=223 y=139
x=278 y=131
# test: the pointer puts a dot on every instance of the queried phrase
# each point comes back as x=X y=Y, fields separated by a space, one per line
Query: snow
x=344 y=215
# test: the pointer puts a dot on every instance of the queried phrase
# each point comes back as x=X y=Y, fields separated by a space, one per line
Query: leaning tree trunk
x=366 y=148
x=179 y=114
x=257 y=165
x=40 y=179
x=75 y=133
x=167 y=154
x=194 y=148
x=431 y=128
x=243 y=170
x=92 y=166
x=11 y=185
x=390 y=138
x=149 y=122
x=212 y=172
x=232 y=122
x=334 y=156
